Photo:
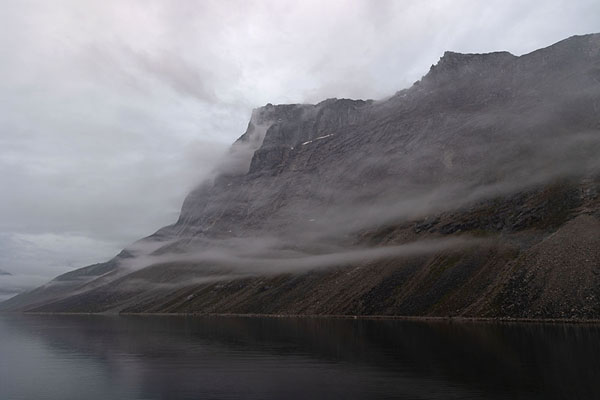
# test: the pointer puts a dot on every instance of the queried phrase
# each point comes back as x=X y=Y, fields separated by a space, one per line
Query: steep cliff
x=474 y=192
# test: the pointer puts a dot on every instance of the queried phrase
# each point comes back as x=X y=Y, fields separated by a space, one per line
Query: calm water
x=101 y=357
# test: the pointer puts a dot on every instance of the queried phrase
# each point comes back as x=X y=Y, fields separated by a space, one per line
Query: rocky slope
x=475 y=192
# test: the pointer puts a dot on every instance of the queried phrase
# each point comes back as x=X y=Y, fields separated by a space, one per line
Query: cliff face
x=474 y=192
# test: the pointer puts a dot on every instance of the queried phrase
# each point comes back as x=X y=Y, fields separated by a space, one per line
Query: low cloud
x=223 y=260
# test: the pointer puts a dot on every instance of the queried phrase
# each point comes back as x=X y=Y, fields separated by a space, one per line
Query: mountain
x=475 y=192
x=7 y=288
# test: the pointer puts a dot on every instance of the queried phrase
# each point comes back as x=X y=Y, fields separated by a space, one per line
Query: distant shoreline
x=334 y=316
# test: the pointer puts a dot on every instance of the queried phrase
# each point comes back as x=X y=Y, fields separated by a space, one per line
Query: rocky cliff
x=475 y=192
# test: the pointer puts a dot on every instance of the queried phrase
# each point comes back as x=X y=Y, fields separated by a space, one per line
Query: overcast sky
x=113 y=110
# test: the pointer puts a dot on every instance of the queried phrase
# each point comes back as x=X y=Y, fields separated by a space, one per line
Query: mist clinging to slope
x=113 y=112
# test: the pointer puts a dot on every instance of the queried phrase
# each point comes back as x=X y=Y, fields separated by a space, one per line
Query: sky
x=112 y=111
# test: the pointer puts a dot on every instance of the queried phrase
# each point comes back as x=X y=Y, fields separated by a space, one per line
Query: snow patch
x=315 y=139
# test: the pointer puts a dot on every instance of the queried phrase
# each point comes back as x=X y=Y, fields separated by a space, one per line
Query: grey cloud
x=182 y=77
x=224 y=259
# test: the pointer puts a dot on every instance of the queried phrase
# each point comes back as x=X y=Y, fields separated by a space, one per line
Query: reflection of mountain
x=316 y=358
x=482 y=181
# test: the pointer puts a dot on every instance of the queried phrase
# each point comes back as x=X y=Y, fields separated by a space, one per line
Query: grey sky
x=113 y=110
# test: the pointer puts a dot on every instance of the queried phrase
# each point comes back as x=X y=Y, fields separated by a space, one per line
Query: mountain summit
x=475 y=192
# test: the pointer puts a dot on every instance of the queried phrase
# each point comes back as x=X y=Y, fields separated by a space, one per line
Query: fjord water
x=131 y=357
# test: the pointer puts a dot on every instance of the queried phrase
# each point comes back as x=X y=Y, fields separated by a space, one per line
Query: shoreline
x=448 y=319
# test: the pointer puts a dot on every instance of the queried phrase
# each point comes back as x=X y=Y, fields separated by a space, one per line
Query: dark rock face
x=445 y=199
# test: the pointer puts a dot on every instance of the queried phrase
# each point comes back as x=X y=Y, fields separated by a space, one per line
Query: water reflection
x=62 y=357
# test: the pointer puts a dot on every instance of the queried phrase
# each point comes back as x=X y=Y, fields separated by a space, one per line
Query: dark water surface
x=103 y=357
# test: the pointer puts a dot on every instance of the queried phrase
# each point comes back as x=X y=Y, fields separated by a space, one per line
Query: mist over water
x=100 y=357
